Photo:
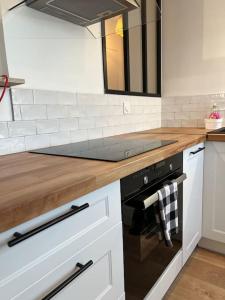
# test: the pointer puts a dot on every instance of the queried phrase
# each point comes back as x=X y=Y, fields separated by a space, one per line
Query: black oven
x=146 y=256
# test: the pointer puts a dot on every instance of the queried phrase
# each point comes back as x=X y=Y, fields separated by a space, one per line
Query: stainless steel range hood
x=83 y=12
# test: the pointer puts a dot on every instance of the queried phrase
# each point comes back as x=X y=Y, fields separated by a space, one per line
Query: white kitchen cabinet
x=214 y=192
x=37 y=265
x=192 y=199
x=102 y=279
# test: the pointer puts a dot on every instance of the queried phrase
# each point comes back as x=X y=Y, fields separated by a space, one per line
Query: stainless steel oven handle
x=154 y=198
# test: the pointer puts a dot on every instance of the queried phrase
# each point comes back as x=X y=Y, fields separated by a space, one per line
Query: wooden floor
x=203 y=278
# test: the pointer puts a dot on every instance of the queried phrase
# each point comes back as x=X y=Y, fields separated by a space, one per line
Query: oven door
x=146 y=256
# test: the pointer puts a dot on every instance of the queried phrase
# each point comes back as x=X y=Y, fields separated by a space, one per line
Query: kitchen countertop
x=33 y=184
x=186 y=130
x=216 y=137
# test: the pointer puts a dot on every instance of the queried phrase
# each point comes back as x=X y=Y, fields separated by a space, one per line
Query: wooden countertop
x=33 y=184
x=216 y=137
x=183 y=130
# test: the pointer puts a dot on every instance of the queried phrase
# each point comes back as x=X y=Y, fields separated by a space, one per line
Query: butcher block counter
x=33 y=184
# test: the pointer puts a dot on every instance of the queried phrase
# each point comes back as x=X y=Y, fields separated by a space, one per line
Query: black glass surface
x=146 y=255
x=107 y=149
x=218 y=131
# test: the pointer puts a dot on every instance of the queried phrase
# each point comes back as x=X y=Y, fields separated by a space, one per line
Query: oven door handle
x=154 y=198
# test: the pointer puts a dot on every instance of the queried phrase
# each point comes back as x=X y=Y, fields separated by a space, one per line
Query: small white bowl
x=213 y=123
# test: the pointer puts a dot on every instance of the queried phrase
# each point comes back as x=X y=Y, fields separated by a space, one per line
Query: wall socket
x=126 y=107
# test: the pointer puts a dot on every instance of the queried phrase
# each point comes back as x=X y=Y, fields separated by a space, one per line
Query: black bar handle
x=22 y=237
x=81 y=267
x=199 y=150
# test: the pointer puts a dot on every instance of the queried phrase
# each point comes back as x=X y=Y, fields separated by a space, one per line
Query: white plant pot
x=213 y=123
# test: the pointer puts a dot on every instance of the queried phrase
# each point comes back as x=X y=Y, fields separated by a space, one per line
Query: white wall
x=193 y=47
x=52 y=54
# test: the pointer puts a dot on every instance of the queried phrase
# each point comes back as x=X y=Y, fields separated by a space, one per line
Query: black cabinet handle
x=81 y=267
x=22 y=237
x=199 y=150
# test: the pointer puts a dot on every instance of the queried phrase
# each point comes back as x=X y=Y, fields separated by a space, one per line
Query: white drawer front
x=102 y=280
x=104 y=212
x=188 y=152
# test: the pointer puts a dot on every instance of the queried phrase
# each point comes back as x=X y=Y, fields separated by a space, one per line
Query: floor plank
x=202 y=278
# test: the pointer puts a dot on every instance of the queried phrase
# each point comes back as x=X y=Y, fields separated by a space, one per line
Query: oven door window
x=146 y=255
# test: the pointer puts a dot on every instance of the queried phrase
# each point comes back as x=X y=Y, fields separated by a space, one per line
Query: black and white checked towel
x=166 y=210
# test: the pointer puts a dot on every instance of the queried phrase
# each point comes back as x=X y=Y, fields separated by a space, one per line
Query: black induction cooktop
x=107 y=149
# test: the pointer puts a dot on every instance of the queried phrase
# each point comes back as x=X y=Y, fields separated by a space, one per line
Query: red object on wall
x=6 y=78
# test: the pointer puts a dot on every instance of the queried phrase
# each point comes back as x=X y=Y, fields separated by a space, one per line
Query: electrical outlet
x=126 y=107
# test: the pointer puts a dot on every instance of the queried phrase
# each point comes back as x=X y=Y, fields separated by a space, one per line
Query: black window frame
x=144 y=57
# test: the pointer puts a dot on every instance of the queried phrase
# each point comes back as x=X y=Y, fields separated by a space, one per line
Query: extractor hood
x=83 y=12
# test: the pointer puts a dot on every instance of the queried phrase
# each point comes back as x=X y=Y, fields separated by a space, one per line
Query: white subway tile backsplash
x=47 y=126
x=37 y=141
x=102 y=122
x=79 y=135
x=195 y=107
x=200 y=123
x=50 y=118
x=138 y=109
x=45 y=97
x=76 y=111
x=171 y=108
x=95 y=133
x=17 y=112
x=92 y=111
x=114 y=100
x=66 y=98
x=57 y=111
x=118 y=120
x=114 y=130
x=195 y=115
x=12 y=145
x=181 y=100
x=54 y=97
x=189 y=111
x=86 y=123
x=182 y=115
x=22 y=128
x=189 y=123
x=91 y=99
x=33 y=112
x=168 y=116
x=68 y=124
x=22 y=96
x=172 y=123
x=113 y=110
x=60 y=138
x=3 y=130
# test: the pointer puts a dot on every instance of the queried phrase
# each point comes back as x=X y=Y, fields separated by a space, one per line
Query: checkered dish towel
x=167 y=211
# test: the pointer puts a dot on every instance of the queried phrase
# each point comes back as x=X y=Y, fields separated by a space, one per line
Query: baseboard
x=212 y=245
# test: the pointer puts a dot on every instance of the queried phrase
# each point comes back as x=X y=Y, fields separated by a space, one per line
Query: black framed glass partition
x=132 y=51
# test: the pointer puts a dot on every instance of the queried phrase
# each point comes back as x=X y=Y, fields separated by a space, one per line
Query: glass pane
x=151 y=13
x=137 y=22
x=115 y=53
x=135 y=51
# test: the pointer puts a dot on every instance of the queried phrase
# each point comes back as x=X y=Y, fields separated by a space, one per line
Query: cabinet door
x=81 y=228
x=192 y=200
x=95 y=272
x=214 y=192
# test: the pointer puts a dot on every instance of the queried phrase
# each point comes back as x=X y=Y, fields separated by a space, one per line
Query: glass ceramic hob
x=108 y=149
